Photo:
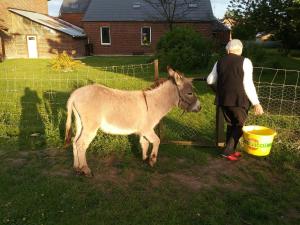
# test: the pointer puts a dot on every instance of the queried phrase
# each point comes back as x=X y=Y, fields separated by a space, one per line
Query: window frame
x=74 y=5
x=101 y=38
x=150 y=41
x=193 y=5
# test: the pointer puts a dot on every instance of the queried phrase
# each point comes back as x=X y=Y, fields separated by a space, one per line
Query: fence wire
x=279 y=93
x=192 y=128
x=33 y=100
x=32 y=103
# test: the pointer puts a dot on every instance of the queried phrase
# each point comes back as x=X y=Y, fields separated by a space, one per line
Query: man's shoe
x=230 y=157
x=236 y=154
x=227 y=151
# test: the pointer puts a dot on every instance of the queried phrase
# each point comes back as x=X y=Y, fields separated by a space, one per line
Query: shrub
x=64 y=62
x=105 y=144
x=213 y=59
x=244 y=31
x=276 y=63
x=254 y=52
x=184 y=49
x=295 y=53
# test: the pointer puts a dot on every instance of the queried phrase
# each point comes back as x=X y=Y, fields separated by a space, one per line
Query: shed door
x=32 y=47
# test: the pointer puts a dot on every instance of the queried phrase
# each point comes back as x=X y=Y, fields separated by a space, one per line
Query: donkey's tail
x=69 y=122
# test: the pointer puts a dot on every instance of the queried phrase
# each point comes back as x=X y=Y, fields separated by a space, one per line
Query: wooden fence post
x=156 y=72
x=156 y=77
x=220 y=134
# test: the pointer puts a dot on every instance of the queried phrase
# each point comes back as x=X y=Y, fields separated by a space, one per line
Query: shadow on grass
x=46 y=126
x=101 y=61
x=55 y=107
x=108 y=70
x=173 y=149
x=31 y=126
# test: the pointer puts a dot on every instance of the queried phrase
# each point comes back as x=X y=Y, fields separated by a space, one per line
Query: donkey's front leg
x=144 y=144
x=82 y=144
x=154 y=139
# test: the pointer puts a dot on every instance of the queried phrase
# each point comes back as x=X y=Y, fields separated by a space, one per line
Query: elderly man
x=232 y=79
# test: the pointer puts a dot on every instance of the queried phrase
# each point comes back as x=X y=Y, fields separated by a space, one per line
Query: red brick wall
x=40 y=6
x=49 y=41
x=126 y=36
x=223 y=37
x=74 y=18
x=1 y=53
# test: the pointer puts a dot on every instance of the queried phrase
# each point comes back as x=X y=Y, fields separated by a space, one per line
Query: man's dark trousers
x=235 y=118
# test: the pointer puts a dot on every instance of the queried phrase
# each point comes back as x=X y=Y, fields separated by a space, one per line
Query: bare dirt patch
x=219 y=172
x=190 y=181
x=111 y=171
x=16 y=162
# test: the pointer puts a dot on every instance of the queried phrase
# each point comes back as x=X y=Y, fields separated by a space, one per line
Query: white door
x=32 y=47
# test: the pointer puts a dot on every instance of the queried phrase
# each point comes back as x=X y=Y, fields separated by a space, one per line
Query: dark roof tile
x=128 y=10
x=51 y=22
x=74 y=6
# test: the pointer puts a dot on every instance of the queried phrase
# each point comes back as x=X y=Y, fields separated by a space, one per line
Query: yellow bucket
x=258 y=140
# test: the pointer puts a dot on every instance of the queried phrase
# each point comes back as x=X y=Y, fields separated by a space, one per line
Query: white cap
x=234 y=45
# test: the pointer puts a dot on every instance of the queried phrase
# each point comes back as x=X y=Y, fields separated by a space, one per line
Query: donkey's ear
x=170 y=71
x=190 y=79
x=176 y=76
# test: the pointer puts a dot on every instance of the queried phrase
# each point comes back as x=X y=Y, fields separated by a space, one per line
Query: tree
x=290 y=34
x=184 y=49
x=275 y=16
x=170 y=10
x=3 y=29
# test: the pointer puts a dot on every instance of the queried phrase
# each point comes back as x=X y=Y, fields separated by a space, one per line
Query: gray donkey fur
x=125 y=112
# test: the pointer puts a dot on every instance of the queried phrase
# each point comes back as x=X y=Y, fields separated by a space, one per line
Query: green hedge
x=184 y=49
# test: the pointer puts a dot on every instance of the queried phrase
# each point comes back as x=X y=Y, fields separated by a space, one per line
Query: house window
x=105 y=36
x=136 y=5
x=26 y=21
x=193 y=5
x=146 y=35
x=74 y=5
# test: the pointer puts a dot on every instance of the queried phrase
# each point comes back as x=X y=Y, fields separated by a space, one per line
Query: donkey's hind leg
x=78 y=133
x=82 y=144
x=144 y=144
x=154 y=139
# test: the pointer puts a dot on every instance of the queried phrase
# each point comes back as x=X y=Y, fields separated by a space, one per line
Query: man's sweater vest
x=230 y=88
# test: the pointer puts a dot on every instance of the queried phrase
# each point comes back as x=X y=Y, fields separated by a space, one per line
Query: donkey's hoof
x=86 y=171
x=76 y=170
x=152 y=162
x=79 y=172
x=82 y=173
x=145 y=160
x=90 y=174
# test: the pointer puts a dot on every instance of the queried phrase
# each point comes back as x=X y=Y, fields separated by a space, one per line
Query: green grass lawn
x=38 y=96
x=274 y=59
x=188 y=185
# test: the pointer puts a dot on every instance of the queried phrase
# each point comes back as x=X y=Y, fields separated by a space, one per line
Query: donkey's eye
x=190 y=93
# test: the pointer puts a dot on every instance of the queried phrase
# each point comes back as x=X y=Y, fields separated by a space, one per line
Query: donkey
x=125 y=112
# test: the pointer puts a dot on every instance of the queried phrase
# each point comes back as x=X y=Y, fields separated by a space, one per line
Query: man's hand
x=213 y=87
x=258 y=110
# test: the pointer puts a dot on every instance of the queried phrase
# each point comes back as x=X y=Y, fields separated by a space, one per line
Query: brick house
x=134 y=27
x=73 y=11
x=26 y=31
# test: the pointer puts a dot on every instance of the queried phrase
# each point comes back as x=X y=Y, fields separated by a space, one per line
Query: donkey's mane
x=157 y=83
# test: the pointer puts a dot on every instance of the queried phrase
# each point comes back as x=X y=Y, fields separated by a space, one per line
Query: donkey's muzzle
x=196 y=107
